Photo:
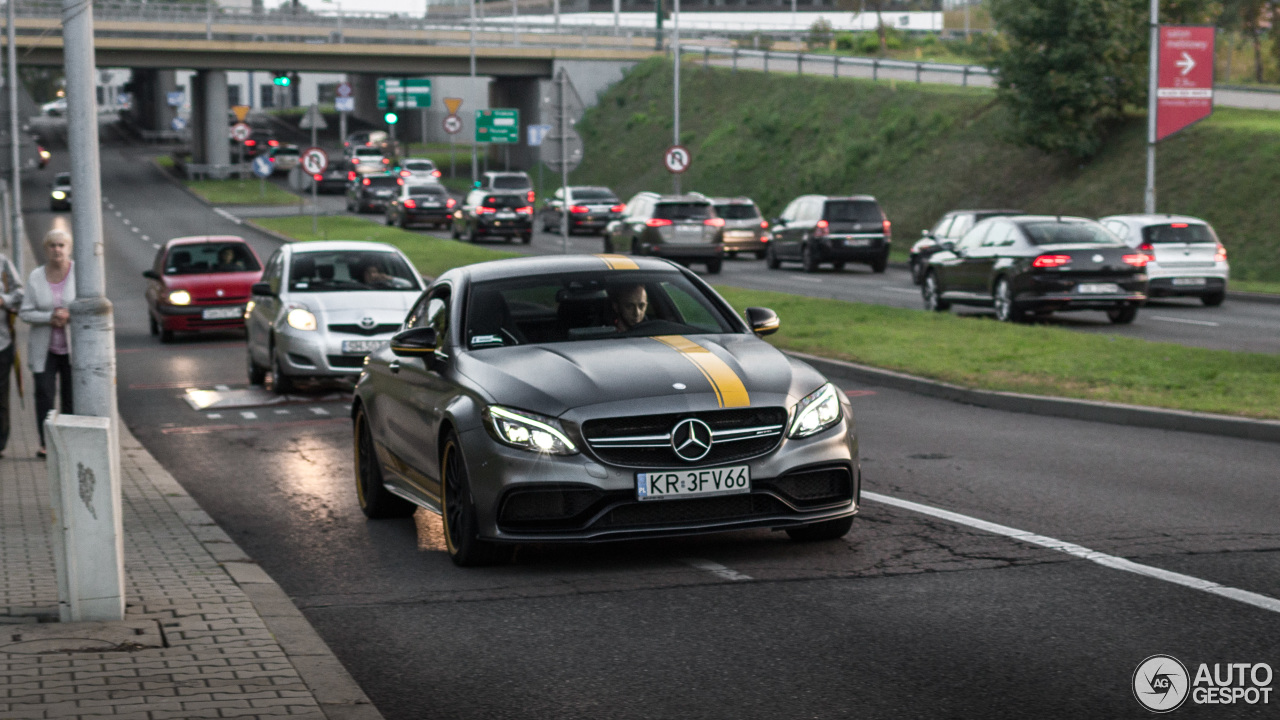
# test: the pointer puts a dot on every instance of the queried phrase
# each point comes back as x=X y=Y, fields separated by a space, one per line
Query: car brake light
x=450 y=203
x=1177 y=225
x=250 y=143
x=888 y=228
x=822 y=228
x=1051 y=261
x=411 y=203
x=530 y=197
x=351 y=175
x=355 y=161
x=435 y=173
x=273 y=143
x=386 y=161
x=618 y=208
x=1136 y=260
x=528 y=210
x=400 y=181
x=1221 y=254
x=318 y=177
x=578 y=209
x=1149 y=250
x=405 y=173
x=367 y=181
x=485 y=210
x=658 y=222
x=714 y=222
x=764 y=224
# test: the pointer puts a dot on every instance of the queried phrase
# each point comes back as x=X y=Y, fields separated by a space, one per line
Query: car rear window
x=429 y=193
x=368 y=153
x=381 y=181
x=511 y=182
x=1178 y=233
x=858 y=211
x=286 y=151
x=350 y=270
x=505 y=201
x=588 y=195
x=737 y=211
x=1048 y=232
x=205 y=258
x=682 y=211
x=420 y=165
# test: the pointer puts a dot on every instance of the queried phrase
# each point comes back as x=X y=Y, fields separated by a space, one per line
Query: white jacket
x=37 y=311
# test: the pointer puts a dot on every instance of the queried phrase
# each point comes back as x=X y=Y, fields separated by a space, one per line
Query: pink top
x=58 y=340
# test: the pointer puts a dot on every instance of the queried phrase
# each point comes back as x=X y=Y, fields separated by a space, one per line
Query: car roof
x=552 y=264
x=990 y=212
x=1047 y=218
x=340 y=245
x=202 y=239
x=1155 y=219
x=733 y=201
x=865 y=198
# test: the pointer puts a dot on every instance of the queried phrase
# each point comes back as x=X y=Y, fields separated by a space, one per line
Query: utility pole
x=564 y=163
x=1149 y=197
x=657 y=41
x=15 y=154
x=675 y=43
x=475 y=165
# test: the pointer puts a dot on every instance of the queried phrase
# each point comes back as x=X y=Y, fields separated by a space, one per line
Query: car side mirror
x=261 y=288
x=777 y=222
x=150 y=275
x=763 y=321
x=414 y=342
x=948 y=245
x=928 y=234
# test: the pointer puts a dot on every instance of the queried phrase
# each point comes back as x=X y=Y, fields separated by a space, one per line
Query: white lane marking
x=282 y=412
x=249 y=415
x=808 y=279
x=901 y=290
x=118 y=213
x=126 y=221
x=146 y=238
x=228 y=216
x=222 y=388
x=110 y=206
x=319 y=411
x=155 y=245
x=1111 y=561
x=214 y=416
x=716 y=569
x=135 y=229
x=1164 y=318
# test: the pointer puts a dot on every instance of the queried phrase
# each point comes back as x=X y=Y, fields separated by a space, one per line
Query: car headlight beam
x=818 y=411
x=58 y=195
x=179 y=297
x=527 y=431
x=300 y=318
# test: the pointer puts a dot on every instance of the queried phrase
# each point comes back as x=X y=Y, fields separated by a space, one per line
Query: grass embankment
x=992 y=356
x=234 y=191
x=923 y=150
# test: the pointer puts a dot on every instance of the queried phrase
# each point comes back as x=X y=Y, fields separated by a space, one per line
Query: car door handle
x=394 y=366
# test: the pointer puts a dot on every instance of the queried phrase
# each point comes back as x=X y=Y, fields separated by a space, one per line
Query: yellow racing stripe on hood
x=619 y=262
x=728 y=387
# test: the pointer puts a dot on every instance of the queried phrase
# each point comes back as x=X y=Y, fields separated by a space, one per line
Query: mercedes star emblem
x=691 y=439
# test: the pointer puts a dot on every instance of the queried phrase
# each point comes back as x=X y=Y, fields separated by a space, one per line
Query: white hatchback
x=1184 y=254
x=321 y=307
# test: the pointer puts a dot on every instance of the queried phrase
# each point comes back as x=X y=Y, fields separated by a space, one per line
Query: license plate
x=362 y=347
x=222 y=313
x=507 y=216
x=675 y=484
x=856 y=242
x=1188 y=281
x=1098 y=288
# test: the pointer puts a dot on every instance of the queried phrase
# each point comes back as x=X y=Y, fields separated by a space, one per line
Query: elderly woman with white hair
x=50 y=289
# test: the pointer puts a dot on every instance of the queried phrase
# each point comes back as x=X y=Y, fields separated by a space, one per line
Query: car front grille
x=355 y=329
x=813 y=487
x=692 y=510
x=645 y=441
x=346 y=361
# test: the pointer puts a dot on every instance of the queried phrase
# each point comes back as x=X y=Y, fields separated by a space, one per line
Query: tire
x=1122 y=315
x=461 y=531
x=932 y=295
x=838 y=266
x=376 y=501
x=761 y=254
x=471 y=235
x=771 y=260
x=1213 y=300
x=388 y=220
x=732 y=254
x=453 y=231
x=404 y=222
x=526 y=238
x=817 y=532
x=917 y=271
x=807 y=261
x=281 y=384
x=635 y=246
x=608 y=245
x=257 y=375
x=879 y=264
x=166 y=336
x=714 y=266
x=154 y=326
x=1002 y=299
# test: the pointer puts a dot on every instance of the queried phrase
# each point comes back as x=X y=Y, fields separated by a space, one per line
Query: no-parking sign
x=314 y=160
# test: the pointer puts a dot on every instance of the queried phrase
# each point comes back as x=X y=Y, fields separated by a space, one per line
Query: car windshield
x=511 y=182
x=737 y=211
x=381 y=181
x=419 y=165
x=345 y=270
x=588 y=306
x=205 y=258
x=857 y=211
x=1049 y=232
x=1177 y=233
x=682 y=211
x=593 y=195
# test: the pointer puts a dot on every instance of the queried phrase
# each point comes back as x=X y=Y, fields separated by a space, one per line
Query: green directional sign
x=404 y=93
x=499 y=125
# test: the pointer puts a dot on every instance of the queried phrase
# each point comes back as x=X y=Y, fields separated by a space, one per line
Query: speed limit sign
x=677 y=159
x=314 y=160
x=241 y=132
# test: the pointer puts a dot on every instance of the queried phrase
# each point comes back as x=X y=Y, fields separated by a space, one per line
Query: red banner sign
x=1185 y=80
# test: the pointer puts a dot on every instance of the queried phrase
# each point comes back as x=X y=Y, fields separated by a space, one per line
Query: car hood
x=214 y=286
x=639 y=376
x=352 y=307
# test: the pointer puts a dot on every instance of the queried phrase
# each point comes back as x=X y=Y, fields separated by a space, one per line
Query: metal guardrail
x=219 y=171
x=798 y=60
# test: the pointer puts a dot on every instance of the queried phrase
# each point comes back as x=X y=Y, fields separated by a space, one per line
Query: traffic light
x=391 y=118
x=282 y=79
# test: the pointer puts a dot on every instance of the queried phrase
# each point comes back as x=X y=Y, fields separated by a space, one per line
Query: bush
x=820 y=34
x=846 y=41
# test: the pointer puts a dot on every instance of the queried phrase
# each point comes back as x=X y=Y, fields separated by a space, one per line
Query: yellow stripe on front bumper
x=619 y=262
x=728 y=387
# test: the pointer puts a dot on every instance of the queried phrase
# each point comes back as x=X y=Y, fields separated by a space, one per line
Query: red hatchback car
x=200 y=283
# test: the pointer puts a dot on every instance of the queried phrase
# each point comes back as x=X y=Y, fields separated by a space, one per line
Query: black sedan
x=421 y=204
x=494 y=213
x=951 y=226
x=1038 y=264
x=589 y=398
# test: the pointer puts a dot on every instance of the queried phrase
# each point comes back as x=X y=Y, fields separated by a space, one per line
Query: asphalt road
x=908 y=616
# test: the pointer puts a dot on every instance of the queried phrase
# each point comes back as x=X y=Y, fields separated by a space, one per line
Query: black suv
x=372 y=192
x=508 y=182
x=816 y=229
x=684 y=228
x=494 y=213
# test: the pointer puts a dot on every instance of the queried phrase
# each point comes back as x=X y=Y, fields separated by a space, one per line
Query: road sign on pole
x=452 y=124
x=410 y=93
x=1184 y=92
x=314 y=160
x=344 y=89
x=498 y=125
x=241 y=132
x=241 y=111
x=537 y=133
x=677 y=159
x=452 y=105
x=344 y=104
x=262 y=166
x=313 y=120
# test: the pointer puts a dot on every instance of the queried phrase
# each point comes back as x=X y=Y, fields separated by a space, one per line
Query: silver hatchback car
x=323 y=306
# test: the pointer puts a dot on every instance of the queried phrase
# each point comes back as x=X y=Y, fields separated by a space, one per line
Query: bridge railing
x=799 y=61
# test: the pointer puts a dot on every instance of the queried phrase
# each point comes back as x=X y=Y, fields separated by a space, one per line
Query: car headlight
x=248 y=308
x=179 y=297
x=58 y=195
x=300 y=318
x=527 y=431
x=816 y=412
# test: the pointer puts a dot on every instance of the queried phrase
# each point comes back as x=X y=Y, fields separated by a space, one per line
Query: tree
x=1070 y=68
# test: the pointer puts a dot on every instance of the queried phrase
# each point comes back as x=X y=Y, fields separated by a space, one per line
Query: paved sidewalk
x=207 y=633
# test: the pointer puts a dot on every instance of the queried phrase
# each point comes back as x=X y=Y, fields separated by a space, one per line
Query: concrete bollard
x=88 y=532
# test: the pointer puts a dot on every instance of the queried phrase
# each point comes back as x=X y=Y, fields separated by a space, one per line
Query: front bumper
x=526 y=497
x=319 y=353
x=190 y=318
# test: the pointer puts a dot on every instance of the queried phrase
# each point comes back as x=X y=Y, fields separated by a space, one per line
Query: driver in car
x=374 y=276
x=630 y=302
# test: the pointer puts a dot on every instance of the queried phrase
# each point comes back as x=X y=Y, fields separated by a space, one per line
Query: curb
x=1090 y=410
x=335 y=691
x=1255 y=297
